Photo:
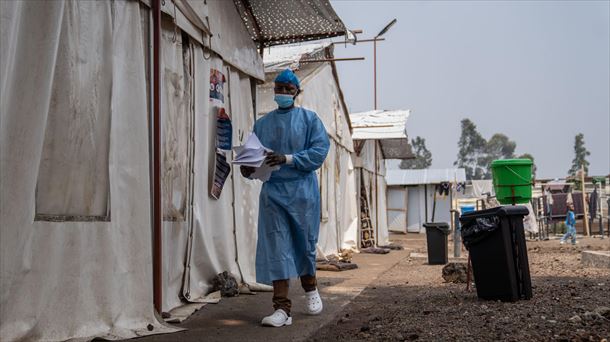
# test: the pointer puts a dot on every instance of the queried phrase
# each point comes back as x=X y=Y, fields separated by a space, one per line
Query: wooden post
x=584 y=201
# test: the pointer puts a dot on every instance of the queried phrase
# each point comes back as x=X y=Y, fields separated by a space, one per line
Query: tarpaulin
x=80 y=279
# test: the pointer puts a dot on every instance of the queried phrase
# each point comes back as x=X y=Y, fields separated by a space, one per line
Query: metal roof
x=275 y=22
x=380 y=124
x=387 y=126
x=424 y=176
x=281 y=57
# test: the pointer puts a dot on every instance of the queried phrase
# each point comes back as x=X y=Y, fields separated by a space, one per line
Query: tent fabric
x=246 y=191
x=482 y=187
x=424 y=176
x=367 y=157
x=383 y=235
x=275 y=22
x=71 y=280
x=97 y=250
x=229 y=37
x=212 y=248
x=397 y=208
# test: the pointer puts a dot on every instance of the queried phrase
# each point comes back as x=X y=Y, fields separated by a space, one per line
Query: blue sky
x=537 y=71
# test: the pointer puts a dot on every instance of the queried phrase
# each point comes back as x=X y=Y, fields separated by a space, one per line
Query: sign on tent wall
x=222 y=132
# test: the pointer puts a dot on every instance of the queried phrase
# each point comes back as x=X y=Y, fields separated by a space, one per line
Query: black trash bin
x=436 y=238
x=495 y=240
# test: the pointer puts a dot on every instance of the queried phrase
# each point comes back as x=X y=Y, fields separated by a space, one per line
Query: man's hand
x=274 y=159
x=246 y=171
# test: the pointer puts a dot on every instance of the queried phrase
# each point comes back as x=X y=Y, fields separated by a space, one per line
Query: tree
x=580 y=155
x=498 y=147
x=423 y=157
x=530 y=157
x=471 y=154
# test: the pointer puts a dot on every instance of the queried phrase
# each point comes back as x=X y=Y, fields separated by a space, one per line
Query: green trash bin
x=512 y=180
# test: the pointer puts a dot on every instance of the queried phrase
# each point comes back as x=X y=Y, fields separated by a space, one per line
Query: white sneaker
x=562 y=242
x=277 y=319
x=314 y=302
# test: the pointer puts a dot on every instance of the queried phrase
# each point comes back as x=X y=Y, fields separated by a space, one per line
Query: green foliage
x=530 y=157
x=580 y=155
x=471 y=154
x=498 y=147
x=476 y=154
x=423 y=157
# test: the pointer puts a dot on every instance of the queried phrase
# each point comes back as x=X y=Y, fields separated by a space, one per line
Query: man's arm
x=312 y=158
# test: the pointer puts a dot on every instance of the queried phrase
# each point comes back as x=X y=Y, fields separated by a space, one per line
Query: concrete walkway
x=238 y=318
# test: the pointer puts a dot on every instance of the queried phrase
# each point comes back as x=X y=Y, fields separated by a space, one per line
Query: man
x=289 y=211
x=570 y=222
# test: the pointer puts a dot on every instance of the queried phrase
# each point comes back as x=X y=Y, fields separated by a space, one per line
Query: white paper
x=263 y=172
x=253 y=154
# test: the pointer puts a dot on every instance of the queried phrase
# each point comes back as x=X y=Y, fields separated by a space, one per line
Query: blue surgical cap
x=287 y=76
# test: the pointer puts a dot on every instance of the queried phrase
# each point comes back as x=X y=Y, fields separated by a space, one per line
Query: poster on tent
x=217 y=82
x=221 y=173
x=223 y=134
x=224 y=130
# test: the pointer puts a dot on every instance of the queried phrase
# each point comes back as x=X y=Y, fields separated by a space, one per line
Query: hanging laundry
x=593 y=198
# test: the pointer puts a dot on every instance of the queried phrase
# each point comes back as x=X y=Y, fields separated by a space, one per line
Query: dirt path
x=411 y=302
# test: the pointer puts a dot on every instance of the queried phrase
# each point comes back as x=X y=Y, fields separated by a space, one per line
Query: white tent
x=75 y=207
x=378 y=135
x=412 y=195
x=322 y=94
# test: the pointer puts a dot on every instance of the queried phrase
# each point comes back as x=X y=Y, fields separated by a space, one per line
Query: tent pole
x=585 y=216
x=426 y=201
x=376 y=196
x=157 y=247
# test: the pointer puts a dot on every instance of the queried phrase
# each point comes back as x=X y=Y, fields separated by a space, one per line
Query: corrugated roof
x=380 y=124
x=424 y=176
x=276 y=22
x=281 y=57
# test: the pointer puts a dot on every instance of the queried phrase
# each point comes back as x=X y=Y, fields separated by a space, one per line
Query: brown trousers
x=280 y=291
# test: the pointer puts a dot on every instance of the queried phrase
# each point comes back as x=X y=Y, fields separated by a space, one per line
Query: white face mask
x=284 y=100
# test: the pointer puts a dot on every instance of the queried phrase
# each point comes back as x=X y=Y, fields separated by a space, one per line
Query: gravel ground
x=412 y=302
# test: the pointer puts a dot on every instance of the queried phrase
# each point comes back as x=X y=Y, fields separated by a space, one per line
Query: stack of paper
x=253 y=154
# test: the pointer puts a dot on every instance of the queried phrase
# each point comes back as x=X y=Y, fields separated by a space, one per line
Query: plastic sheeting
x=70 y=280
x=230 y=38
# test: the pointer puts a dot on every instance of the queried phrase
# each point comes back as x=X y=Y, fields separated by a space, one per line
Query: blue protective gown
x=289 y=210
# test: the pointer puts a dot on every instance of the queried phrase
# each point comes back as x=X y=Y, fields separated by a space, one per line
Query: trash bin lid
x=442 y=226
x=503 y=162
x=508 y=210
